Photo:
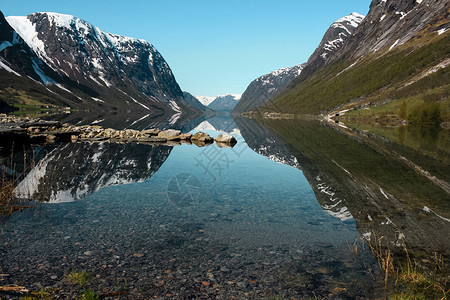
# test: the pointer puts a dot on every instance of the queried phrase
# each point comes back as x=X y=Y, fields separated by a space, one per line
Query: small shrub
x=426 y=113
x=402 y=111
x=78 y=277
x=90 y=295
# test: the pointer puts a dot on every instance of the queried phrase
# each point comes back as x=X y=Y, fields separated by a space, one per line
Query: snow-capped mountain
x=17 y=58
x=386 y=57
x=334 y=38
x=266 y=87
x=97 y=68
x=391 y=23
x=223 y=103
x=205 y=100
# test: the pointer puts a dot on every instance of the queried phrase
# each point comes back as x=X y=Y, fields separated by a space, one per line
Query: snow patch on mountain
x=354 y=19
x=347 y=24
x=27 y=30
x=45 y=79
x=8 y=69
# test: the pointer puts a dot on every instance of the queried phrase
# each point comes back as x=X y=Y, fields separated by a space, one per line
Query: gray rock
x=186 y=136
x=169 y=133
x=202 y=137
x=151 y=132
x=225 y=138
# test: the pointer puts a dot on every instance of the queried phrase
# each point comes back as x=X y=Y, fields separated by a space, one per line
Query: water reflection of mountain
x=263 y=142
x=73 y=171
x=126 y=120
x=223 y=124
x=354 y=178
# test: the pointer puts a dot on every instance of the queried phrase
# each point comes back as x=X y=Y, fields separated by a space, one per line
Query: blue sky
x=213 y=47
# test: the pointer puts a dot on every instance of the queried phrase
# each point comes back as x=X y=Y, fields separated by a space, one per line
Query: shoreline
x=16 y=131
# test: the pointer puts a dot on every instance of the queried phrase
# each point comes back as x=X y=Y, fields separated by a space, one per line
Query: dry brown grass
x=403 y=280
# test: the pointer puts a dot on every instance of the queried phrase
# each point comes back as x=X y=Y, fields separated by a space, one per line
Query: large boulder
x=150 y=132
x=202 y=137
x=169 y=134
x=185 y=137
x=225 y=138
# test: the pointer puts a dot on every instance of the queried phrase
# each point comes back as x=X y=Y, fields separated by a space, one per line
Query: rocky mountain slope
x=92 y=68
x=266 y=87
x=334 y=38
x=271 y=85
x=19 y=63
x=397 y=57
x=194 y=102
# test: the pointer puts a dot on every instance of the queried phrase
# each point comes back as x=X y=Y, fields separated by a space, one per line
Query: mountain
x=334 y=38
x=20 y=66
x=396 y=58
x=92 y=68
x=225 y=103
x=266 y=87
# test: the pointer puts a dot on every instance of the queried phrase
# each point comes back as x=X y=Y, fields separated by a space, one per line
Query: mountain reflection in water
x=391 y=190
x=73 y=171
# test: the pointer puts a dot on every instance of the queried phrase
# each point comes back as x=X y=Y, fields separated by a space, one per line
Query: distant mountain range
x=221 y=103
x=195 y=102
x=268 y=86
x=50 y=58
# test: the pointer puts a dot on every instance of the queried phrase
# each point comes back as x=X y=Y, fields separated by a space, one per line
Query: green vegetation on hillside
x=24 y=93
x=399 y=74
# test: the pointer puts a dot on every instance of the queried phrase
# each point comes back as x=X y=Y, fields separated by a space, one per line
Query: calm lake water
x=284 y=213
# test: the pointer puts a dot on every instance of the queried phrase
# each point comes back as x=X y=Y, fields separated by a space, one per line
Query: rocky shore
x=17 y=130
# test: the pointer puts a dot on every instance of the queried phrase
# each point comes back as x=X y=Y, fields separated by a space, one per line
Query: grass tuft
x=78 y=277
